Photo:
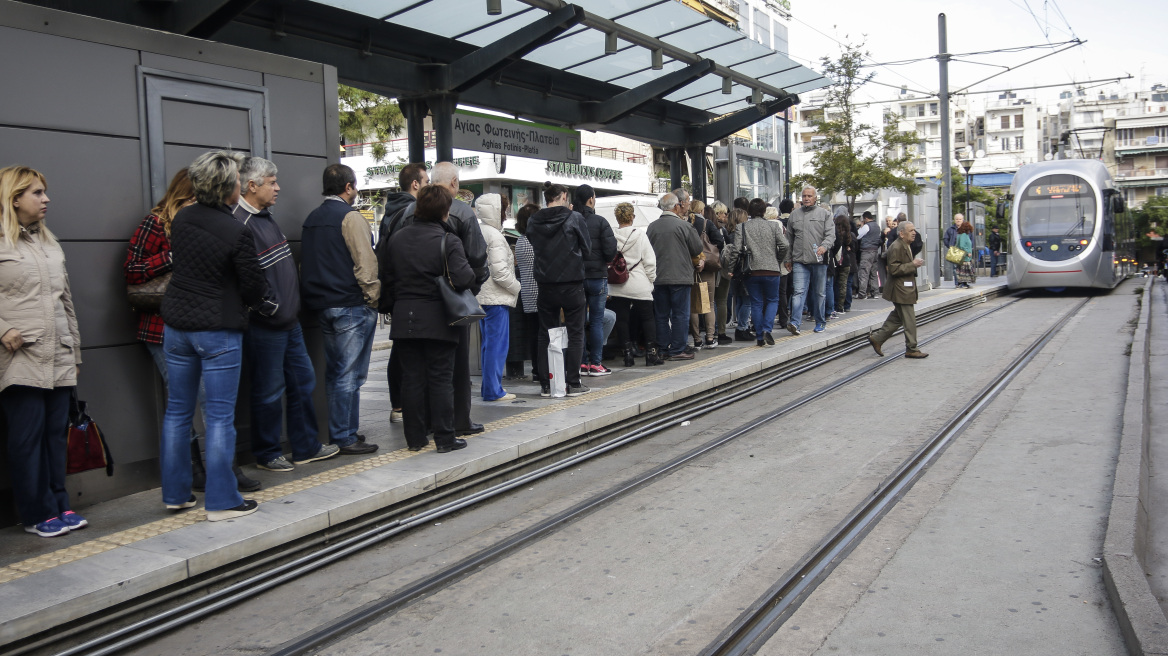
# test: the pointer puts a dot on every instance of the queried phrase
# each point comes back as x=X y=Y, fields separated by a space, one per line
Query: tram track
x=363 y=537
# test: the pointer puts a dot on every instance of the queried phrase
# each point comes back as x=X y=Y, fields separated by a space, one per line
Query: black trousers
x=569 y=298
x=786 y=291
x=629 y=311
x=427 y=389
x=462 y=380
x=394 y=373
x=36 y=421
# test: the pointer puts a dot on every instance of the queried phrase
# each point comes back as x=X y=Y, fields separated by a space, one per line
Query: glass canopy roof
x=581 y=50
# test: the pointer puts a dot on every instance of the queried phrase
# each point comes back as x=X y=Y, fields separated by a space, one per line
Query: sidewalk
x=134 y=546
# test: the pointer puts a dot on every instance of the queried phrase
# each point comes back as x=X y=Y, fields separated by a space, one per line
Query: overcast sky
x=1122 y=37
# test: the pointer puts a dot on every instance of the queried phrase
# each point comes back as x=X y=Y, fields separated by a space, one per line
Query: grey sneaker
x=395 y=416
x=577 y=390
x=326 y=451
x=277 y=464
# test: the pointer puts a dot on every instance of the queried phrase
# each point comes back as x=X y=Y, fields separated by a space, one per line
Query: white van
x=644 y=208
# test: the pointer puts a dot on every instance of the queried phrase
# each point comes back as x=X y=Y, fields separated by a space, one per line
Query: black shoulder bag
x=462 y=308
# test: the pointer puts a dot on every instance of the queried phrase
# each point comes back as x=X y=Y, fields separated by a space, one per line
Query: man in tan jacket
x=901 y=289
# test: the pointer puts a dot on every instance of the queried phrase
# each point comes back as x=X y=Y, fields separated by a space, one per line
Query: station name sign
x=498 y=134
x=392 y=169
x=593 y=172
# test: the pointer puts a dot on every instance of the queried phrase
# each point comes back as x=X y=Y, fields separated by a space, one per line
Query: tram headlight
x=1082 y=242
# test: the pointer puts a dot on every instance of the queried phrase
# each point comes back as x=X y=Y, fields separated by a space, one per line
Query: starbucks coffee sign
x=497 y=134
x=590 y=172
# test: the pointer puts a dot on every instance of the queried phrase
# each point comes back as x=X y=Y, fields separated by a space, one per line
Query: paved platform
x=134 y=546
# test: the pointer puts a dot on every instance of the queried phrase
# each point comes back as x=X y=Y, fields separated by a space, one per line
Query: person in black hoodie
x=560 y=242
x=411 y=179
x=464 y=224
x=595 y=277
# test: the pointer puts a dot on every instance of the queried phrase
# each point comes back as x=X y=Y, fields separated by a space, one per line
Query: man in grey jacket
x=676 y=243
x=812 y=234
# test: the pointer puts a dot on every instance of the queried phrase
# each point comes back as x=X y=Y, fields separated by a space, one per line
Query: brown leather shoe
x=875 y=346
x=916 y=355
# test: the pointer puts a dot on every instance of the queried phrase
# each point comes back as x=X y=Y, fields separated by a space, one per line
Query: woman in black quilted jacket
x=216 y=279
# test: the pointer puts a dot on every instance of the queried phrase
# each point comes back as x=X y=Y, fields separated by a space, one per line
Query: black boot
x=198 y=472
x=630 y=349
x=652 y=357
x=242 y=482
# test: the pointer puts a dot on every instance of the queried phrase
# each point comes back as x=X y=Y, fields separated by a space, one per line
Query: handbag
x=462 y=308
x=618 y=268
x=147 y=296
x=86 y=447
x=712 y=255
x=699 y=299
x=742 y=265
x=955 y=255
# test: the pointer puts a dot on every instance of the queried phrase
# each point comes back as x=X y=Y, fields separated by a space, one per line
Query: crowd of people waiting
x=233 y=292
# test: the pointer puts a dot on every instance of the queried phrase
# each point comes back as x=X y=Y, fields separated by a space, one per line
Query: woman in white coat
x=633 y=299
x=498 y=293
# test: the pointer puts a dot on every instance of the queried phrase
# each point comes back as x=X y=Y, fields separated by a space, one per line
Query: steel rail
x=188 y=612
x=761 y=620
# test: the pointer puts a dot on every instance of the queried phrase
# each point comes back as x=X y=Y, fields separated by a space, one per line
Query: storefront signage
x=394 y=169
x=593 y=172
x=497 y=134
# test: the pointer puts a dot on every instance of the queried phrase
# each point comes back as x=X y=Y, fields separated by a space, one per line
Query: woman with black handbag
x=421 y=330
x=41 y=354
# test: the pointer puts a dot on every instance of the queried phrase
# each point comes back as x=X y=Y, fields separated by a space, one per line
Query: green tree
x=1151 y=219
x=366 y=116
x=857 y=158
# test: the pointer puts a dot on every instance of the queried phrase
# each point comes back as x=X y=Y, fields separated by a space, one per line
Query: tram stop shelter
x=652 y=70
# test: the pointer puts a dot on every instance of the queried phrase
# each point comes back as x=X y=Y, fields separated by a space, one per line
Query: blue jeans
x=212 y=357
x=159 y=356
x=808 y=278
x=764 y=303
x=348 y=343
x=671 y=307
x=596 y=293
x=495 y=333
x=280 y=366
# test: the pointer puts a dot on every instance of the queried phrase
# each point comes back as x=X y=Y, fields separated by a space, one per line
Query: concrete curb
x=1142 y=621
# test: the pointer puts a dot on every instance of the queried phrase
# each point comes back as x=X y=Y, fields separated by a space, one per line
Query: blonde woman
x=633 y=299
x=41 y=354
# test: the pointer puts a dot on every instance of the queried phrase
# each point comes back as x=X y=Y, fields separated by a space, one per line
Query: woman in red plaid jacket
x=148 y=258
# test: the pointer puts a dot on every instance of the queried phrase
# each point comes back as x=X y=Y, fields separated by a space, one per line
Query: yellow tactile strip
x=129 y=536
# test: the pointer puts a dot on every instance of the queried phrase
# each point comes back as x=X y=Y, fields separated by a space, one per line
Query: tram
x=1062 y=227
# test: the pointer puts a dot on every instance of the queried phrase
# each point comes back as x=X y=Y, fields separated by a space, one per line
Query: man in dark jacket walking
x=595 y=277
x=464 y=224
x=675 y=243
x=560 y=242
x=411 y=179
x=994 y=241
x=274 y=345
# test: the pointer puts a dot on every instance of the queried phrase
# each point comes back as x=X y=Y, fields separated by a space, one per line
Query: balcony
x=1140 y=175
x=1141 y=145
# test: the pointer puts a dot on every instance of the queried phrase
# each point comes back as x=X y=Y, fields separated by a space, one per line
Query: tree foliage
x=1150 y=219
x=857 y=158
x=366 y=116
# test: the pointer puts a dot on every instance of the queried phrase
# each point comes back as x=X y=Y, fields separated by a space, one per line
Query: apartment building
x=1137 y=146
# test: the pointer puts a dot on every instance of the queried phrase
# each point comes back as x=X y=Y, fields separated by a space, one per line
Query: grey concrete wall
x=81 y=125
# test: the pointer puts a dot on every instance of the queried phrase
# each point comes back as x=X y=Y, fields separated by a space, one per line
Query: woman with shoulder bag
x=768 y=251
x=964 y=271
x=41 y=356
x=708 y=276
x=421 y=331
x=633 y=299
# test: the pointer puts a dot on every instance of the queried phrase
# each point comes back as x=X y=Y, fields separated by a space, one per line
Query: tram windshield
x=1055 y=205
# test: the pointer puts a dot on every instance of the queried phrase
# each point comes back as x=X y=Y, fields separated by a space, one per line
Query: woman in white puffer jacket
x=633 y=299
x=498 y=293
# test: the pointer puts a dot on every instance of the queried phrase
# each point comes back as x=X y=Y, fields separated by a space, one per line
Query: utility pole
x=946 y=212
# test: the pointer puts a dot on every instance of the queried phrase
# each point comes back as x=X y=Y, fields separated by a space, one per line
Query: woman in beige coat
x=42 y=350
x=498 y=294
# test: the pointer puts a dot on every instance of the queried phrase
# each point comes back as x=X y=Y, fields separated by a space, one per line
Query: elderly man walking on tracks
x=901 y=289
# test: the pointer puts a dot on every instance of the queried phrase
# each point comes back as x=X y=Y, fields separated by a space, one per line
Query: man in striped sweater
x=274 y=345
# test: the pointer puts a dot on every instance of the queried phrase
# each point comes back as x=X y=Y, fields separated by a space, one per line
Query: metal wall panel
x=95 y=189
x=180 y=65
x=300 y=185
x=204 y=125
x=178 y=157
x=297 y=112
x=77 y=85
x=120 y=385
x=99 y=291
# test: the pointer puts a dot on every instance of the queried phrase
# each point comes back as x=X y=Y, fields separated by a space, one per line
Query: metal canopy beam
x=470 y=69
x=203 y=18
x=728 y=125
x=621 y=105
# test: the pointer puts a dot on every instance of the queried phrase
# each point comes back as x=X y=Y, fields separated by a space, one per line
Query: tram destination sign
x=498 y=134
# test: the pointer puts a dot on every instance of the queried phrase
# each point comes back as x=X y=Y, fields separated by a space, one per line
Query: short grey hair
x=682 y=195
x=806 y=187
x=667 y=203
x=214 y=175
x=443 y=174
x=256 y=169
x=903 y=227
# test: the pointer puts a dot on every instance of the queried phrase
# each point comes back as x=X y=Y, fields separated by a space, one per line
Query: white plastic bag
x=557 y=342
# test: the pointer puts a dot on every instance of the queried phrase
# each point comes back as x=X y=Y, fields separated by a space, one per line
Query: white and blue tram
x=1062 y=226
